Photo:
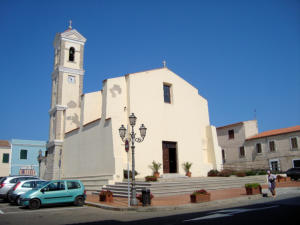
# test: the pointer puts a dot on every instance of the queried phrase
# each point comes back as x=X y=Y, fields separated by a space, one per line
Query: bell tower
x=67 y=85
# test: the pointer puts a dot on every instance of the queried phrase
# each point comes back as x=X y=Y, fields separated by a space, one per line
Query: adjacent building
x=277 y=149
x=5 y=154
x=232 y=139
x=84 y=141
x=24 y=160
x=243 y=148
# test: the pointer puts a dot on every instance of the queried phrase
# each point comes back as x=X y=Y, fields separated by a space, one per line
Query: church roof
x=275 y=132
x=73 y=34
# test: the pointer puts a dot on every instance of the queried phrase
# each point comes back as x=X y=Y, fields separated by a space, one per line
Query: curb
x=175 y=207
x=215 y=203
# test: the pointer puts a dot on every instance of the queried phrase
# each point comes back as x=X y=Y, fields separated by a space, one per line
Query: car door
x=74 y=189
x=54 y=192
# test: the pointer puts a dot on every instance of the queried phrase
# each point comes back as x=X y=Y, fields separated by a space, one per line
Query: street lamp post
x=133 y=139
x=40 y=158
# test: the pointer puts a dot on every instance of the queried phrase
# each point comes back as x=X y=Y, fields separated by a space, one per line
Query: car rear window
x=2 y=180
x=13 y=181
x=73 y=185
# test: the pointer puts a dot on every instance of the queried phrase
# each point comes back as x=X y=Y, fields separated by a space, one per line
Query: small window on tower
x=71 y=54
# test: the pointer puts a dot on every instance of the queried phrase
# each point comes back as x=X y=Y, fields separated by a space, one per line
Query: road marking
x=228 y=212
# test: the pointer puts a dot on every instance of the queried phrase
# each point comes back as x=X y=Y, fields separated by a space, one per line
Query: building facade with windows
x=24 y=156
x=232 y=139
x=277 y=150
x=5 y=154
x=84 y=141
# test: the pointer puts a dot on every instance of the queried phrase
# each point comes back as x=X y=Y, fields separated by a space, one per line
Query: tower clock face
x=71 y=79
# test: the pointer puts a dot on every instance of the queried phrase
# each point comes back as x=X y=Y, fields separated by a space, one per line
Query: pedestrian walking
x=272 y=183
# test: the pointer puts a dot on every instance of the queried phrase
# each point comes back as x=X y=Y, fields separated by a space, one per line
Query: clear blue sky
x=241 y=55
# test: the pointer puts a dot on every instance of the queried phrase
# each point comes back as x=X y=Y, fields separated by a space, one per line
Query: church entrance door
x=169 y=157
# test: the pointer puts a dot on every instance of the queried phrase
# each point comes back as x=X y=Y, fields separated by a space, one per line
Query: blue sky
x=241 y=55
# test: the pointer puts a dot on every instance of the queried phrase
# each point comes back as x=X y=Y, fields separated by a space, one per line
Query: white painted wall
x=97 y=148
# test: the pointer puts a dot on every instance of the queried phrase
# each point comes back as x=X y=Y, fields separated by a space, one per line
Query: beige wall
x=5 y=167
x=98 y=148
x=284 y=153
x=231 y=147
x=92 y=106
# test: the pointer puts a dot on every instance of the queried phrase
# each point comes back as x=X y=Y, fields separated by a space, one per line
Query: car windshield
x=43 y=184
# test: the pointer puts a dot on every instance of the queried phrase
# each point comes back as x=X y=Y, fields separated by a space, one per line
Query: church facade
x=84 y=141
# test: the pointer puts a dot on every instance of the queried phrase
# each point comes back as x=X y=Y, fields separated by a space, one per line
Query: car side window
x=73 y=185
x=38 y=184
x=14 y=181
x=55 y=186
x=27 y=185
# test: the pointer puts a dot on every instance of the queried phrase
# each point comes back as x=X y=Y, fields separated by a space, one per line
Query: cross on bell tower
x=70 y=24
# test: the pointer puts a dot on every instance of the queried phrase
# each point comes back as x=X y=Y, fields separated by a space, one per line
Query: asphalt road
x=284 y=210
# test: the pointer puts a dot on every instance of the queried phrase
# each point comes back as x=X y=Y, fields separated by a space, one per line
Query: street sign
x=126 y=145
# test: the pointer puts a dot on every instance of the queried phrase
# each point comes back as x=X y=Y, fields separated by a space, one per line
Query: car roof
x=24 y=181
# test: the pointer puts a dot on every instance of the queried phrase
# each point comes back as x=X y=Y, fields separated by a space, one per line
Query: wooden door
x=166 y=160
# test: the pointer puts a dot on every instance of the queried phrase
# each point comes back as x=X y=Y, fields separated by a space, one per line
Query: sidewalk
x=182 y=200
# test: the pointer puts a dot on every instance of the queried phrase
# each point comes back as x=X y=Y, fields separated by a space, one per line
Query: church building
x=84 y=141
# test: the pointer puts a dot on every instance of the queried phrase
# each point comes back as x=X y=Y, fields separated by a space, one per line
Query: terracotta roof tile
x=4 y=143
x=230 y=125
x=275 y=132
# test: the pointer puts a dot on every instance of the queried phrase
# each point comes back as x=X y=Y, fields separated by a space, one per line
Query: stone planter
x=253 y=190
x=197 y=198
x=150 y=178
x=106 y=196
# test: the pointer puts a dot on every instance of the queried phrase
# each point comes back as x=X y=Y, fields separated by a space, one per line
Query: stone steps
x=92 y=183
x=185 y=185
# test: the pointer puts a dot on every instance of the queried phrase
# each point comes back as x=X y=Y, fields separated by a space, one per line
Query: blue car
x=55 y=192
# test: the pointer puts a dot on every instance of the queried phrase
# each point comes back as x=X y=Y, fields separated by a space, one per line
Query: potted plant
x=200 y=196
x=155 y=167
x=253 y=188
x=187 y=166
x=106 y=196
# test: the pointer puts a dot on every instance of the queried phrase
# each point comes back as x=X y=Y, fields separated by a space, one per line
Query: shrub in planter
x=125 y=174
x=240 y=174
x=213 y=173
x=151 y=178
x=106 y=196
x=200 y=196
x=262 y=172
x=253 y=188
x=251 y=173
x=226 y=173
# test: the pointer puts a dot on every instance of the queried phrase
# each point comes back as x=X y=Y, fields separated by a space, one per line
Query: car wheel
x=79 y=201
x=18 y=200
x=34 y=204
x=10 y=199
